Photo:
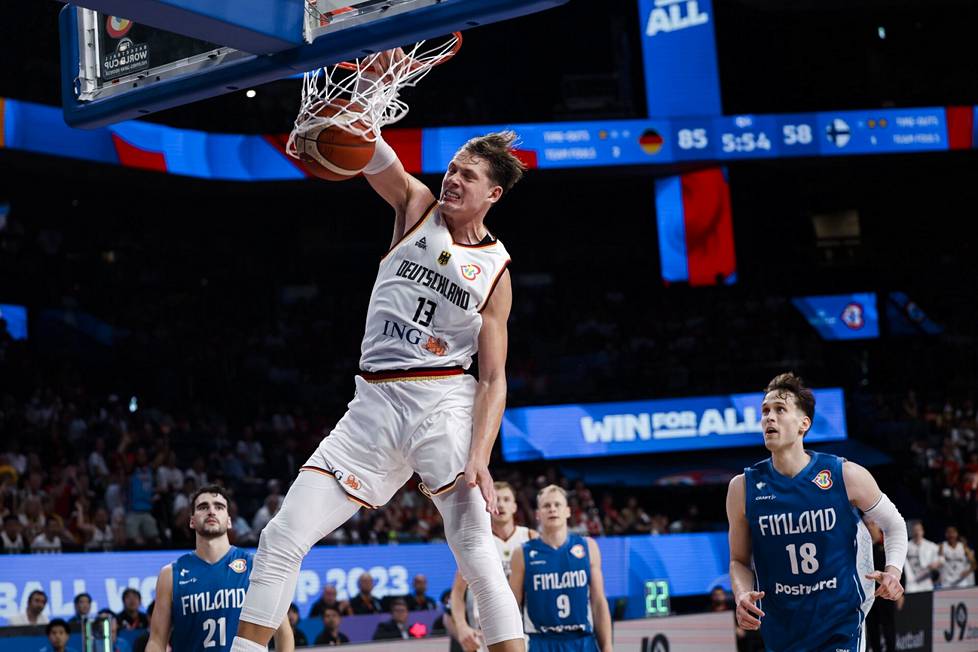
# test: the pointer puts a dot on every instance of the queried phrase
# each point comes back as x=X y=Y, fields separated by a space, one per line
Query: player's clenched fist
x=748 y=613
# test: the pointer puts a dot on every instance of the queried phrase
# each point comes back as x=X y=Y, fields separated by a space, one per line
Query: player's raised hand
x=382 y=63
x=889 y=585
x=477 y=475
x=748 y=613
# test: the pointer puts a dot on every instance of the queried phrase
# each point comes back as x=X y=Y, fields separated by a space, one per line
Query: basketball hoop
x=361 y=96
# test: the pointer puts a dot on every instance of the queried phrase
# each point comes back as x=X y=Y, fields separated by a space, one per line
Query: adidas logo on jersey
x=422 y=243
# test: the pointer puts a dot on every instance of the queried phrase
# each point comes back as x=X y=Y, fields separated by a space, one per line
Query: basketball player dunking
x=442 y=295
x=795 y=516
x=200 y=594
x=559 y=580
x=509 y=538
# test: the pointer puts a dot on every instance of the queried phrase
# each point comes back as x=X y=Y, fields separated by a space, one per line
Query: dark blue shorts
x=540 y=643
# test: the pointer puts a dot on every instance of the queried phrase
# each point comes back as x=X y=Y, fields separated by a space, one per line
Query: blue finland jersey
x=207 y=600
x=811 y=551
x=556 y=586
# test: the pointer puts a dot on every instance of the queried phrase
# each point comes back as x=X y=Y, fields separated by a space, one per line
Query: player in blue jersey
x=558 y=583
x=199 y=595
x=797 y=519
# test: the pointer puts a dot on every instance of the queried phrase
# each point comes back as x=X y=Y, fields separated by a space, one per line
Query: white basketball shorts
x=397 y=424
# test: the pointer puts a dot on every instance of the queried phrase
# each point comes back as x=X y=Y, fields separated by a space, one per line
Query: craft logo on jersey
x=852 y=316
x=578 y=551
x=470 y=271
x=533 y=553
x=823 y=480
x=238 y=565
x=422 y=243
x=674 y=15
x=353 y=482
x=443 y=258
x=184 y=572
x=761 y=485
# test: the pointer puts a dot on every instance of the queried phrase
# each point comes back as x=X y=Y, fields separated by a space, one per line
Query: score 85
x=692 y=139
x=797 y=134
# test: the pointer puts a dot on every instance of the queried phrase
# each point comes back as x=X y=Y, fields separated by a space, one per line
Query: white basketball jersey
x=425 y=309
x=955 y=563
x=508 y=547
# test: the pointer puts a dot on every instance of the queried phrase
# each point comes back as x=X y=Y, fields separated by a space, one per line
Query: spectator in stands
x=718 y=599
x=397 y=626
x=198 y=472
x=36 y=602
x=57 y=632
x=139 y=644
x=141 y=526
x=12 y=537
x=97 y=466
x=83 y=608
x=49 y=540
x=444 y=624
x=117 y=644
x=297 y=634
x=958 y=569
x=331 y=634
x=328 y=599
x=32 y=517
x=98 y=533
x=419 y=600
x=268 y=509
x=242 y=533
x=923 y=561
x=169 y=478
x=363 y=602
x=131 y=617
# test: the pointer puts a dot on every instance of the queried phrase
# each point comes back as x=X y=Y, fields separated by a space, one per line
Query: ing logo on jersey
x=823 y=480
x=470 y=271
x=353 y=482
x=436 y=345
x=443 y=258
x=238 y=565
x=578 y=551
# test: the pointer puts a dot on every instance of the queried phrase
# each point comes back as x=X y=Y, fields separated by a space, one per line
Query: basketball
x=331 y=152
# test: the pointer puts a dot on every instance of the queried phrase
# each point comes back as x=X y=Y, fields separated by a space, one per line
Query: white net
x=362 y=96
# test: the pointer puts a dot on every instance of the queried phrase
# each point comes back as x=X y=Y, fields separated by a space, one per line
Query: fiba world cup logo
x=852 y=316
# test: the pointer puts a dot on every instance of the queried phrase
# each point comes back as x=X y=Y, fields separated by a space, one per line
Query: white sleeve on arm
x=384 y=157
x=885 y=514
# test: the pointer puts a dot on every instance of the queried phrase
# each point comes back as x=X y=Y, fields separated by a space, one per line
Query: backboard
x=165 y=53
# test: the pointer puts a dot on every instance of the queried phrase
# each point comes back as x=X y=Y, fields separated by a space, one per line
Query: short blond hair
x=499 y=485
x=550 y=488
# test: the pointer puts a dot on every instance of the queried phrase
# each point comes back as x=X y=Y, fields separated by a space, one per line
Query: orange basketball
x=332 y=153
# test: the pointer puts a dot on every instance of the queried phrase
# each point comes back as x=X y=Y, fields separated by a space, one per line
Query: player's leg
x=469 y=534
x=314 y=507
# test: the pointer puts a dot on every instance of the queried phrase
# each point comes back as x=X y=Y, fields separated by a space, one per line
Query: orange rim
x=352 y=65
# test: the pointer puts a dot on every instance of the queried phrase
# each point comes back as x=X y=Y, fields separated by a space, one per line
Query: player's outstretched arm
x=741 y=577
x=467 y=637
x=599 y=602
x=490 y=395
x=159 y=626
x=517 y=570
x=407 y=196
x=865 y=494
x=284 y=640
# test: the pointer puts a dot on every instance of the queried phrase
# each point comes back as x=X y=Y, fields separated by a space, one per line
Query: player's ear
x=495 y=194
x=806 y=425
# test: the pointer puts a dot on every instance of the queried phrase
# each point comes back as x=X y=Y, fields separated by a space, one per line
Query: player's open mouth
x=771 y=431
x=450 y=196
